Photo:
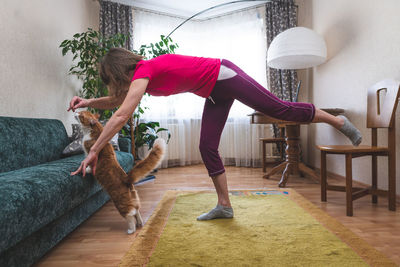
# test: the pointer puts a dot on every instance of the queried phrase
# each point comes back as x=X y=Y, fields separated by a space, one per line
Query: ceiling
x=187 y=8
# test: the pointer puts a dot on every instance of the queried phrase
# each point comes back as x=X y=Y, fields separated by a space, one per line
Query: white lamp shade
x=296 y=48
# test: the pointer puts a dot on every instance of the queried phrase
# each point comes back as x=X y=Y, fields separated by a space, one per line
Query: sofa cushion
x=32 y=197
x=27 y=142
x=75 y=147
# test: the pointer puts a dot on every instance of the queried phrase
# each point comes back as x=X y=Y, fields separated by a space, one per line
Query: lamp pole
x=210 y=8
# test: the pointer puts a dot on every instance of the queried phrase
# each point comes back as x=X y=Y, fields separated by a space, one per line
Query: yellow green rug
x=270 y=228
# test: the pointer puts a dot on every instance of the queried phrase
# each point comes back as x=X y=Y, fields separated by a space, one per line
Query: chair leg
x=263 y=156
x=374 y=178
x=323 y=176
x=349 y=185
x=392 y=181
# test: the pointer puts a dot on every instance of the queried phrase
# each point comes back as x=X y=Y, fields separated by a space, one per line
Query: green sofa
x=40 y=202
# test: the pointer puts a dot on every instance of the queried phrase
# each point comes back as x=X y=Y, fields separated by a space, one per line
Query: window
x=239 y=37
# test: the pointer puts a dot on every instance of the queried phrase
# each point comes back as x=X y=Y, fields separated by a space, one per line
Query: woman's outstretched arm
x=106 y=102
x=123 y=114
x=114 y=125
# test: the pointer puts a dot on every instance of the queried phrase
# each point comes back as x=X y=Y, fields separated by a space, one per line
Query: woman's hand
x=77 y=102
x=89 y=161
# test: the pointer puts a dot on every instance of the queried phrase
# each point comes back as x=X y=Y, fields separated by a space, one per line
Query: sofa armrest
x=124 y=144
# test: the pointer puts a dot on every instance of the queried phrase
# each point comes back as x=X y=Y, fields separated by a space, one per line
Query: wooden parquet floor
x=102 y=241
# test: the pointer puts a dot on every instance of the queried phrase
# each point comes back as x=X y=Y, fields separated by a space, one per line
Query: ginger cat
x=112 y=177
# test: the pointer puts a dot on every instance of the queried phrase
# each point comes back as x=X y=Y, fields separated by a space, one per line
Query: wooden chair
x=279 y=141
x=382 y=103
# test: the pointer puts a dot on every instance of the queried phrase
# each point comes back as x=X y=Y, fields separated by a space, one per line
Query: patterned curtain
x=281 y=15
x=116 y=18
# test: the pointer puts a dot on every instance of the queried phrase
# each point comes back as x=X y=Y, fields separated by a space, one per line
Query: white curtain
x=239 y=37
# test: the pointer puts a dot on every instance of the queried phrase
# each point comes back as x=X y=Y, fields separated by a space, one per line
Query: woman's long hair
x=116 y=69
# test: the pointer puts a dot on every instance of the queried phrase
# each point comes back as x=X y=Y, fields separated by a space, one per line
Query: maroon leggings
x=245 y=89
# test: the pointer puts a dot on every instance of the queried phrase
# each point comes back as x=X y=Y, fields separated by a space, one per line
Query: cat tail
x=150 y=162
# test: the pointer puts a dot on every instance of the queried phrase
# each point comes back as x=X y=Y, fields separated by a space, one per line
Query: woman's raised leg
x=341 y=123
x=245 y=89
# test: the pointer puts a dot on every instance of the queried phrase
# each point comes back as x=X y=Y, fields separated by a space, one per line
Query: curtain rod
x=205 y=19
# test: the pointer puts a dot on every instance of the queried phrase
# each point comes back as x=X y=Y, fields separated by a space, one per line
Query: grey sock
x=217 y=212
x=349 y=130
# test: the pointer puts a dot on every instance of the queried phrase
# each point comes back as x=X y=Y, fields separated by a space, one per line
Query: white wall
x=33 y=72
x=363 y=47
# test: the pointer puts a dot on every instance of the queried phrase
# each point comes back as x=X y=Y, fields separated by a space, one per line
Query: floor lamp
x=295 y=48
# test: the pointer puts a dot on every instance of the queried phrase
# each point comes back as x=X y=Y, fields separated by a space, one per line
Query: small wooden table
x=292 y=164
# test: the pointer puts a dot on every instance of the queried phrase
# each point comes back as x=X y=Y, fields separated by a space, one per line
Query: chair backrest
x=382 y=103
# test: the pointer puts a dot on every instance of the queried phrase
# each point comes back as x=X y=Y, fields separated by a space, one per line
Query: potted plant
x=87 y=49
x=145 y=134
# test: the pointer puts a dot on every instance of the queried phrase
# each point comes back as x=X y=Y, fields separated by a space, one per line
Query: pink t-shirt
x=173 y=74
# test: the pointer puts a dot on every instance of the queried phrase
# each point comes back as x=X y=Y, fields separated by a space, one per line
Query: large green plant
x=87 y=49
x=162 y=47
x=145 y=133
